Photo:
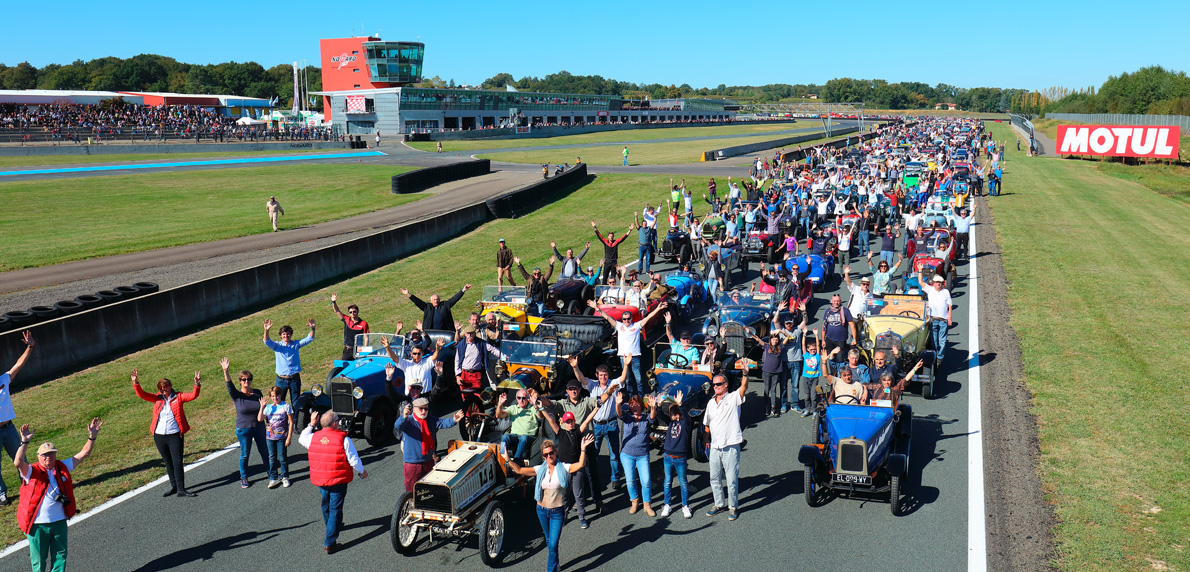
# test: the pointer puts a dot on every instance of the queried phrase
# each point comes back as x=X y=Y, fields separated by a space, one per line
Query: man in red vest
x=333 y=462
x=47 y=498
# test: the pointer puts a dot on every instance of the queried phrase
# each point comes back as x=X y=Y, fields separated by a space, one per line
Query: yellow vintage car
x=509 y=305
x=901 y=321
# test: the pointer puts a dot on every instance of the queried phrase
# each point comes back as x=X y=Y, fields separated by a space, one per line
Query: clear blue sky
x=1032 y=45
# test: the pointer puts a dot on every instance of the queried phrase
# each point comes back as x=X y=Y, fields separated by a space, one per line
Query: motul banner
x=1119 y=140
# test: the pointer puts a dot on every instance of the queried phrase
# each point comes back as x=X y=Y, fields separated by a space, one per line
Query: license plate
x=853 y=479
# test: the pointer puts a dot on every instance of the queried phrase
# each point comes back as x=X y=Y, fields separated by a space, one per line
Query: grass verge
x=1099 y=288
x=37 y=160
x=125 y=457
x=133 y=213
x=613 y=136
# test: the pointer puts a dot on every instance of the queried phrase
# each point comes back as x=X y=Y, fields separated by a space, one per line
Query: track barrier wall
x=170 y=148
x=422 y=179
x=728 y=152
x=519 y=201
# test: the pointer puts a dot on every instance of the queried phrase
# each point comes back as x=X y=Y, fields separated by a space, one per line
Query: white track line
x=21 y=545
x=977 y=546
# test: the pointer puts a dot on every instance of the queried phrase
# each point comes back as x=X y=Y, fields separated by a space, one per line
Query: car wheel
x=491 y=533
x=302 y=419
x=927 y=387
x=816 y=437
x=810 y=485
x=378 y=424
x=334 y=371
x=574 y=307
x=403 y=536
x=684 y=255
x=894 y=495
x=698 y=445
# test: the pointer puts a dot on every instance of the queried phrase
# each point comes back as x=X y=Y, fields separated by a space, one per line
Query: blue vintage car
x=738 y=316
x=810 y=266
x=669 y=377
x=690 y=291
x=858 y=451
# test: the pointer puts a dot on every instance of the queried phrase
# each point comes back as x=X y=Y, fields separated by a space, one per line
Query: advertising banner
x=1119 y=140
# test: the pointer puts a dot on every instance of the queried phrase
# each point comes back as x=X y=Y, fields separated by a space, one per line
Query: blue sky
x=1030 y=45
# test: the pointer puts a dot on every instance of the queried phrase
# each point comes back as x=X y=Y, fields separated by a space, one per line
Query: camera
x=63 y=499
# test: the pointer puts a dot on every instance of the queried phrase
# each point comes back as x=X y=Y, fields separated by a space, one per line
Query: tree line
x=1149 y=90
x=150 y=72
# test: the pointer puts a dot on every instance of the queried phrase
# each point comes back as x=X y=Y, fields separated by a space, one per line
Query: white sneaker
x=274 y=484
x=665 y=510
x=686 y=512
x=285 y=482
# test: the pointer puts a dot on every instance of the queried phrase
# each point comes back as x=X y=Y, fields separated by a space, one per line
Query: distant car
x=858 y=451
x=812 y=266
x=676 y=246
x=733 y=264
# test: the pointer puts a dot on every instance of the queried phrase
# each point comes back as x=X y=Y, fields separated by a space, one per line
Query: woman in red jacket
x=168 y=427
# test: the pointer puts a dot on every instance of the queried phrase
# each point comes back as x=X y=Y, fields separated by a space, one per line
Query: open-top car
x=812 y=266
x=569 y=296
x=899 y=321
x=458 y=499
x=676 y=246
x=733 y=263
x=538 y=361
x=673 y=374
x=858 y=451
x=737 y=317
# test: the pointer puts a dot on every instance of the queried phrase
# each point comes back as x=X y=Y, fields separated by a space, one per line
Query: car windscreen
x=512 y=294
x=738 y=298
x=369 y=344
x=531 y=353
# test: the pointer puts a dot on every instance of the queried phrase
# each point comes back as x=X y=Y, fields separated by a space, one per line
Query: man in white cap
x=938 y=305
x=861 y=293
x=47 y=497
x=275 y=210
x=419 y=432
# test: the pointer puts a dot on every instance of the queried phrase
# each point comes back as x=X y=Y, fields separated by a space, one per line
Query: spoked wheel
x=894 y=495
x=491 y=533
x=810 y=486
x=403 y=536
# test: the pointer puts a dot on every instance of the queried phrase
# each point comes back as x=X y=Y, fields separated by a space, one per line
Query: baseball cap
x=46 y=448
x=421 y=402
x=568 y=416
x=574 y=383
x=501 y=240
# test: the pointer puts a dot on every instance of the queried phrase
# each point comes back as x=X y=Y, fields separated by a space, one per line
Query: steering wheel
x=609 y=300
x=553 y=339
x=839 y=399
x=911 y=314
x=673 y=360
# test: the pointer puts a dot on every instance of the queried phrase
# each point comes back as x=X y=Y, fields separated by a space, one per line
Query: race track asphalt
x=229 y=528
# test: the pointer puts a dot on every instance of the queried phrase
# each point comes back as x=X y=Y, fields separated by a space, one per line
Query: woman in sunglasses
x=550 y=492
x=248 y=428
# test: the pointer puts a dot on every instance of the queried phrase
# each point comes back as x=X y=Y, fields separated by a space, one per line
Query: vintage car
x=457 y=499
x=676 y=246
x=940 y=243
x=714 y=227
x=538 y=360
x=669 y=376
x=357 y=392
x=812 y=266
x=569 y=297
x=737 y=317
x=901 y=321
x=912 y=173
x=858 y=451
x=733 y=264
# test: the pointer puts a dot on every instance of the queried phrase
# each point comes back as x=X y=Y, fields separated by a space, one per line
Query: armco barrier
x=727 y=152
x=800 y=154
x=69 y=342
x=422 y=179
x=169 y=148
x=519 y=201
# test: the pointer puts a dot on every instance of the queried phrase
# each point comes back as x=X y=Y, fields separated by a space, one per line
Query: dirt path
x=1019 y=520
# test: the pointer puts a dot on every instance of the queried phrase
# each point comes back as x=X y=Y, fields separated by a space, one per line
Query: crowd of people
x=796 y=195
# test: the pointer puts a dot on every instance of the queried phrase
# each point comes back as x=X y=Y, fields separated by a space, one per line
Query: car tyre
x=403 y=537
x=927 y=387
x=491 y=533
x=810 y=486
x=378 y=424
x=302 y=419
x=894 y=495
x=684 y=255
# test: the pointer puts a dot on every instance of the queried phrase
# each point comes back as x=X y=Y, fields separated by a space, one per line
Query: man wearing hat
x=47 y=497
x=333 y=464
x=962 y=229
x=537 y=286
x=861 y=293
x=274 y=209
x=504 y=264
x=472 y=355
x=938 y=304
x=582 y=411
x=419 y=433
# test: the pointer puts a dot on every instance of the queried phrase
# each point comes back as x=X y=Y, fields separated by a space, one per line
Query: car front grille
x=888 y=341
x=432 y=497
x=851 y=457
x=341 y=400
x=734 y=336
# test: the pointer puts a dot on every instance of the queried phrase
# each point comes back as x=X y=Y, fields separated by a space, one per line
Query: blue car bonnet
x=368 y=373
x=872 y=425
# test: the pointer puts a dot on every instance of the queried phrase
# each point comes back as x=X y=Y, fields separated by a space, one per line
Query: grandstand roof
x=46 y=96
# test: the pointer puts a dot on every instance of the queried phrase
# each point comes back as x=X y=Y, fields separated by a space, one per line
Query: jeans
x=536 y=309
x=635 y=383
x=645 y=253
x=677 y=466
x=611 y=432
x=712 y=289
x=522 y=443
x=772 y=389
x=551 y=520
x=170 y=446
x=332 y=511
x=864 y=243
x=637 y=469
x=887 y=256
x=805 y=224
x=625 y=160
x=10 y=439
x=277 y=459
x=47 y=546
x=794 y=396
x=246 y=437
x=725 y=462
x=292 y=386
x=938 y=330
x=578 y=487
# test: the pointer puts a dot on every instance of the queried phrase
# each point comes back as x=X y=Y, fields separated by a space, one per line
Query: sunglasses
x=520 y=397
x=245 y=379
x=719 y=384
x=547 y=454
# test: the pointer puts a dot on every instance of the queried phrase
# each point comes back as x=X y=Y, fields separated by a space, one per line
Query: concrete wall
x=170 y=148
x=726 y=152
x=515 y=203
x=555 y=131
x=69 y=342
x=422 y=179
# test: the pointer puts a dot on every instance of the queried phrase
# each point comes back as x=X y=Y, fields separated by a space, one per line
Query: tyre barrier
x=90 y=301
x=127 y=292
x=19 y=318
x=109 y=296
x=68 y=307
x=422 y=179
x=147 y=287
x=5 y=324
x=43 y=313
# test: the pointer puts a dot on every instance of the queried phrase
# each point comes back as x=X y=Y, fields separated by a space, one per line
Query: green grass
x=643 y=154
x=1099 y=288
x=32 y=161
x=613 y=136
x=125 y=458
x=60 y=220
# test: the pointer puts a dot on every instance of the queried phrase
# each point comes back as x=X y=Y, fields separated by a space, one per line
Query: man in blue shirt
x=962 y=229
x=680 y=349
x=289 y=362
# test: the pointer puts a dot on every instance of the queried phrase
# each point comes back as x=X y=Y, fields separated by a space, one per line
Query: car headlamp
x=909 y=346
x=561 y=304
x=316 y=389
x=358 y=393
x=868 y=345
x=500 y=370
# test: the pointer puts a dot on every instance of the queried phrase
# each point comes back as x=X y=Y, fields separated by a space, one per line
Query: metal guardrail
x=1182 y=121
